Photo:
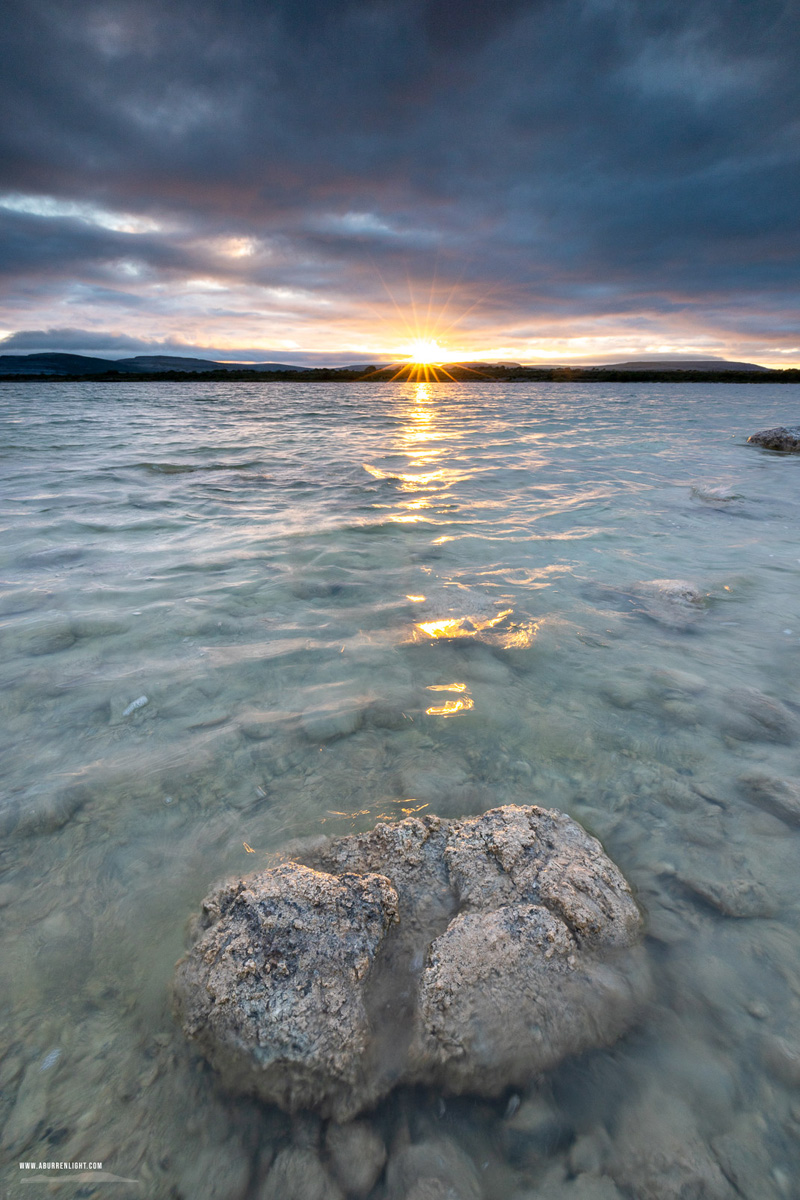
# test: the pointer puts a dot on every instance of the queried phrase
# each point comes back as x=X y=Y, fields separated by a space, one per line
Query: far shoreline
x=428 y=374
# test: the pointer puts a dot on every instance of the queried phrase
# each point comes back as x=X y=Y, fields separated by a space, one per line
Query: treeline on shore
x=451 y=373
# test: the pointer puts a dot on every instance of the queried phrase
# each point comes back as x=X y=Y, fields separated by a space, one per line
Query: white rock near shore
x=468 y=955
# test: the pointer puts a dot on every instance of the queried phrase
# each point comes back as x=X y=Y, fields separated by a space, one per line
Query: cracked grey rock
x=271 y=991
x=467 y=955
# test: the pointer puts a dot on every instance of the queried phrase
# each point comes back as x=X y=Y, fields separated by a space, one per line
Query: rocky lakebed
x=402 y=793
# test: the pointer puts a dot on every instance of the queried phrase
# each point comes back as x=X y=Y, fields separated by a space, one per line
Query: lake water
x=345 y=603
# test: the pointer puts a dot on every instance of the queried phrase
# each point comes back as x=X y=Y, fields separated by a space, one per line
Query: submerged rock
x=781 y=797
x=28 y=1112
x=219 y=1171
x=297 y=1174
x=675 y=603
x=468 y=955
x=48 y=812
x=782 y=1058
x=357 y=1155
x=741 y=897
x=435 y=1170
x=785 y=438
x=661 y=1156
x=584 y=1187
x=751 y=716
x=536 y=1130
x=747 y=1158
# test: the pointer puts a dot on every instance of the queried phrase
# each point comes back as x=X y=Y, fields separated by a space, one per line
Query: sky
x=309 y=181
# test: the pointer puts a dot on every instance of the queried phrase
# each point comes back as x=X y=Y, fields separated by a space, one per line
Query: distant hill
x=170 y=362
x=142 y=364
x=476 y=366
x=679 y=364
x=53 y=364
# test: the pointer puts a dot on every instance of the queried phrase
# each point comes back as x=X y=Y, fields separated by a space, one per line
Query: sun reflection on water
x=423 y=484
x=425 y=494
x=451 y=627
x=499 y=630
x=426 y=491
x=450 y=707
x=408 y=808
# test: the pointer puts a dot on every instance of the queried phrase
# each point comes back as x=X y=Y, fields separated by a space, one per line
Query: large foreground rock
x=467 y=955
x=785 y=438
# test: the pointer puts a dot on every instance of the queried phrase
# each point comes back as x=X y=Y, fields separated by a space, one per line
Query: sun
x=426 y=351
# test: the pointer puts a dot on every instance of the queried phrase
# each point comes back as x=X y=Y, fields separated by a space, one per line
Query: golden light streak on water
x=455 y=626
x=521 y=635
x=451 y=707
x=423 y=484
x=513 y=636
x=408 y=808
x=409 y=482
x=350 y=816
x=447 y=628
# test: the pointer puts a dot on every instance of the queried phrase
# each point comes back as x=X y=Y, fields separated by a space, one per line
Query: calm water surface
x=345 y=603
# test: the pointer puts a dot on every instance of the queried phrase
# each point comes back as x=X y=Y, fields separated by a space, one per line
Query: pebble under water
x=235 y=614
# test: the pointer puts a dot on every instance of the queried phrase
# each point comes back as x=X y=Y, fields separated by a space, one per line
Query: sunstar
x=426 y=352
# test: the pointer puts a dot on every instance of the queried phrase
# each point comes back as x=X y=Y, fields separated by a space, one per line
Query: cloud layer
x=566 y=178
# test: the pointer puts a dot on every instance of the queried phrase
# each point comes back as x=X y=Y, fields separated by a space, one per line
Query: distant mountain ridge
x=142 y=364
x=169 y=367
x=680 y=364
x=170 y=362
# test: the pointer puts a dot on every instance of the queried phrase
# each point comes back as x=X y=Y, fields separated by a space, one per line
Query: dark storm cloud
x=581 y=156
x=72 y=339
x=113 y=346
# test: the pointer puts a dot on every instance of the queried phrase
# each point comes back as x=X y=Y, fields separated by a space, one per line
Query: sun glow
x=427 y=352
x=423 y=337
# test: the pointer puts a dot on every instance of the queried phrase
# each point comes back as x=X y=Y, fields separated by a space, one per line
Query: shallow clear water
x=350 y=602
